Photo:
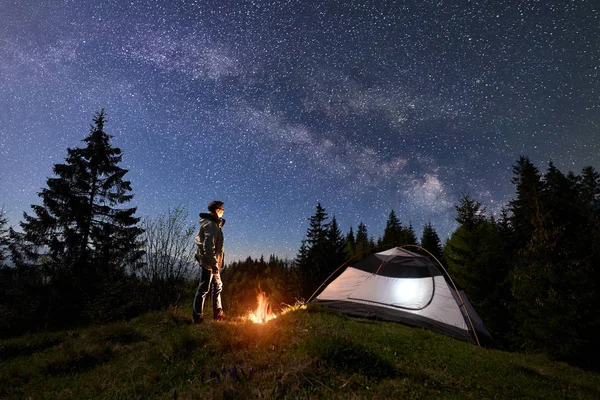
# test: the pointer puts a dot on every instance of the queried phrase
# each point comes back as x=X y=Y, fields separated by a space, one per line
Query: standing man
x=210 y=255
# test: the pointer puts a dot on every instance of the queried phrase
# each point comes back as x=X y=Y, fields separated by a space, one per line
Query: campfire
x=263 y=312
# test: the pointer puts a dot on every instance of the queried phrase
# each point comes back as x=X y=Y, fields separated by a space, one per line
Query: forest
x=83 y=257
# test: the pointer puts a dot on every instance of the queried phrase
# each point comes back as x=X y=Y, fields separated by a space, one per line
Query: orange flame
x=262 y=313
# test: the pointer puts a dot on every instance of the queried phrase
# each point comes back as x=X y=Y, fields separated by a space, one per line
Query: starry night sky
x=273 y=106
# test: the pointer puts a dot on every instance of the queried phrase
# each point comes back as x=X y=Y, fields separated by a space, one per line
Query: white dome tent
x=403 y=286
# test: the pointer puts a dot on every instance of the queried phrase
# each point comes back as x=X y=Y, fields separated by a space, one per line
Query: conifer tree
x=589 y=191
x=350 y=247
x=589 y=253
x=301 y=259
x=553 y=278
x=393 y=232
x=363 y=244
x=476 y=260
x=408 y=235
x=470 y=212
x=336 y=246
x=588 y=204
x=14 y=301
x=371 y=243
x=547 y=279
x=318 y=227
x=559 y=197
x=526 y=206
x=79 y=229
x=430 y=241
x=4 y=239
x=503 y=224
x=461 y=250
x=311 y=261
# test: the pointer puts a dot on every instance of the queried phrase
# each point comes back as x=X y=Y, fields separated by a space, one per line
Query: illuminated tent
x=399 y=285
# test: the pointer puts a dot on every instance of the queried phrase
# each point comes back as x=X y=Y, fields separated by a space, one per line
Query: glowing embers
x=263 y=312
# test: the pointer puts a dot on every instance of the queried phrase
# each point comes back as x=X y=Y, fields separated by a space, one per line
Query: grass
x=311 y=353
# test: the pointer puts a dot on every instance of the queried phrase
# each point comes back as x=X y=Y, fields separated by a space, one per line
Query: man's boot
x=198 y=318
x=219 y=315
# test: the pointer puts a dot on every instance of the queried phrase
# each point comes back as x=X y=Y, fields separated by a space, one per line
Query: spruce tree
x=559 y=198
x=470 y=212
x=589 y=251
x=318 y=227
x=549 y=277
x=311 y=261
x=4 y=240
x=363 y=244
x=461 y=250
x=82 y=234
x=561 y=252
x=336 y=244
x=476 y=260
x=336 y=254
x=430 y=241
x=350 y=247
x=393 y=232
x=589 y=191
x=302 y=256
x=408 y=235
x=525 y=208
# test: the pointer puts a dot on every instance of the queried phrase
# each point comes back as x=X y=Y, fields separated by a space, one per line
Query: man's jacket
x=209 y=240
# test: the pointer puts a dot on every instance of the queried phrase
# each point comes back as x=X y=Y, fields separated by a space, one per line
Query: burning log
x=263 y=312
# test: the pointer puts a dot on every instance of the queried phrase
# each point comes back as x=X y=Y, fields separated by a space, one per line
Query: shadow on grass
x=120 y=333
x=344 y=355
x=78 y=362
x=554 y=381
x=182 y=347
x=25 y=347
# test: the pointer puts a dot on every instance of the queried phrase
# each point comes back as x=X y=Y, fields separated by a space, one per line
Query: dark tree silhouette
x=430 y=241
x=350 y=247
x=79 y=235
x=479 y=261
x=311 y=262
x=335 y=247
x=525 y=208
x=408 y=235
x=555 y=266
x=4 y=239
x=393 y=232
x=363 y=244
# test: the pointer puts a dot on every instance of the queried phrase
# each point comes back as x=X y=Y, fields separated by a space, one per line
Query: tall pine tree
x=336 y=244
x=363 y=244
x=462 y=249
x=350 y=247
x=430 y=241
x=4 y=240
x=477 y=261
x=81 y=235
x=312 y=260
x=392 y=234
x=547 y=283
x=589 y=252
x=408 y=235
x=525 y=208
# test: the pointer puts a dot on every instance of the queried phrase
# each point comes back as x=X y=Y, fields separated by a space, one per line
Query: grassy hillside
x=302 y=354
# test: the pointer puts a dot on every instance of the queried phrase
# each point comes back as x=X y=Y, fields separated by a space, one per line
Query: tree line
x=532 y=272
x=83 y=256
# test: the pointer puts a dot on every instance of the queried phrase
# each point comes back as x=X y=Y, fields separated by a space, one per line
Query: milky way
x=272 y=107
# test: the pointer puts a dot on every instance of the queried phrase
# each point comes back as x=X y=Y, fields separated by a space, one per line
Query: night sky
x=273 y=106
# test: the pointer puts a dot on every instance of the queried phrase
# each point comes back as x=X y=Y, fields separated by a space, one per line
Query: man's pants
x=208 y=282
